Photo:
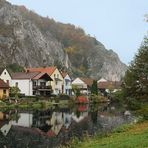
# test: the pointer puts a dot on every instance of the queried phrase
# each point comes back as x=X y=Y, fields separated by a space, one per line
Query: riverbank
x=135 y=136
x=31 y=104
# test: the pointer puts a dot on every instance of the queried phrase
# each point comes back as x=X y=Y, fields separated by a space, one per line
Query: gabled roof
x=109 y=85
x=3 y=84
x=24 y=75
x=64 y=74
x=48 y=70
x=31 y=75
x=87 y=81
x=43 y=75
x=102 y=80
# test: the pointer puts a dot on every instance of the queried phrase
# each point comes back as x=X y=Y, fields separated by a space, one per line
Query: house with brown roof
x=67 y=84
x=109 y=86
x=4 y=89
x=32 y=83
x=84 y=84
x=54 y=73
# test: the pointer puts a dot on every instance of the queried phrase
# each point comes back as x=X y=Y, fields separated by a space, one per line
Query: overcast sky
x=118 y=24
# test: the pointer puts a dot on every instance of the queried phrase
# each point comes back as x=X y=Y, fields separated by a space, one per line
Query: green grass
x=135 y=136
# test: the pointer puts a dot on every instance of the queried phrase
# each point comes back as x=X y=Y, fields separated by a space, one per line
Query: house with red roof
x=54 y=73
x=32 y=83
x=4 y=89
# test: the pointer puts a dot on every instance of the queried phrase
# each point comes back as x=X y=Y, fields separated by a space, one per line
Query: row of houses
x=37 y=81
x=45 y=81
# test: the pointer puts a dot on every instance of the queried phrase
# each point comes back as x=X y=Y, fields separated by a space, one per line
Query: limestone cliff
x=31 y=40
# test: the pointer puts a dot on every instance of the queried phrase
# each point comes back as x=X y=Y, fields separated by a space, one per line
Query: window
x=54 y=75
x=4 y=73
x=4 y=91
x=57 y=75
x=43 y=83
x=34 y=83
x=66 y=83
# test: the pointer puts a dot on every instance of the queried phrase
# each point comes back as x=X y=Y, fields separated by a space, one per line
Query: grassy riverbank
x=127 y=136
x=30 y=104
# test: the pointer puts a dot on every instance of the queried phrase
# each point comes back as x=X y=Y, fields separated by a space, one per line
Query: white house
x=5 y=76
x=32 y=83
x=84 y=84
x=67 y=84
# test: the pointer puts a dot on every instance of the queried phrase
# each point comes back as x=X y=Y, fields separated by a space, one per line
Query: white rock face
x=27 y=44
x=23 y=41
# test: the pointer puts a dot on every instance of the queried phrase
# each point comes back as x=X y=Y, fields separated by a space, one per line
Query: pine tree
x=94 y=88
x=136 y=78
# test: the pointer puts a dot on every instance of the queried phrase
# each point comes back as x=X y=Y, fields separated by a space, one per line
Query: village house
x=67 y=84
x=84 y=84
x=56 y=76
x=105 y=86
x=32 y=83
x=4 y=89
x=5 y=75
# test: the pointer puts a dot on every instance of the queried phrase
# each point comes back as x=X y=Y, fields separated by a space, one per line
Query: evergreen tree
x=94 y=88
x=136 y=78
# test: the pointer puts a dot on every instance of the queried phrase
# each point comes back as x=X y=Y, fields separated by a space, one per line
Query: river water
x=48 y=128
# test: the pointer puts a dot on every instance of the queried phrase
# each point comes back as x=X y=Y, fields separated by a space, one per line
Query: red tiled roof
x=3 y=84
x=41 y=75
x=48 y=70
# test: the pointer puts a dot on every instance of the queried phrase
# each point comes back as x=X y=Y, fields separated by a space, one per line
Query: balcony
x=42 y=87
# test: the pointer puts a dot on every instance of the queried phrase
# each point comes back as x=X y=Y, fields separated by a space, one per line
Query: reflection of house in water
x=41 y=120
x=67 y=120
x=25 y=120
x=51 y=122
x=56 y=122
x=5 y=125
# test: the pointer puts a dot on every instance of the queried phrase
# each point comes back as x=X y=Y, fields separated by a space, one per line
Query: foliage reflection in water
x=54 y=126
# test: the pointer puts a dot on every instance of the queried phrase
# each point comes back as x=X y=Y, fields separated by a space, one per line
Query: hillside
x=32 y=40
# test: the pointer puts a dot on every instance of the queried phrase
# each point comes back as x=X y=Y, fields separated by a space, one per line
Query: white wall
x=6 y=76
x=68 y=86
x=25 y=86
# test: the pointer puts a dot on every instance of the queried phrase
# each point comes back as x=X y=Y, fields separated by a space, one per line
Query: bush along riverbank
x=126 y=136
x=32 y=103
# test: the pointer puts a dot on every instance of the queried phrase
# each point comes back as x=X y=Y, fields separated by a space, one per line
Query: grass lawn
x=135 y=136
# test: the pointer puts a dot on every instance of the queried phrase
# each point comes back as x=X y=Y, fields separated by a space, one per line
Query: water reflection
x=49 y=128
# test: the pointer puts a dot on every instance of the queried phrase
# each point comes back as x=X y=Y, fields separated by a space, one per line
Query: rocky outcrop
x=22 y=41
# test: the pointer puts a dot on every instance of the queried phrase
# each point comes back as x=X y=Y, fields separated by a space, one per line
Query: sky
x=118 y=24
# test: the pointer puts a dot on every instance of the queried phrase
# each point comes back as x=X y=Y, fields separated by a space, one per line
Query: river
x=48 y=128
